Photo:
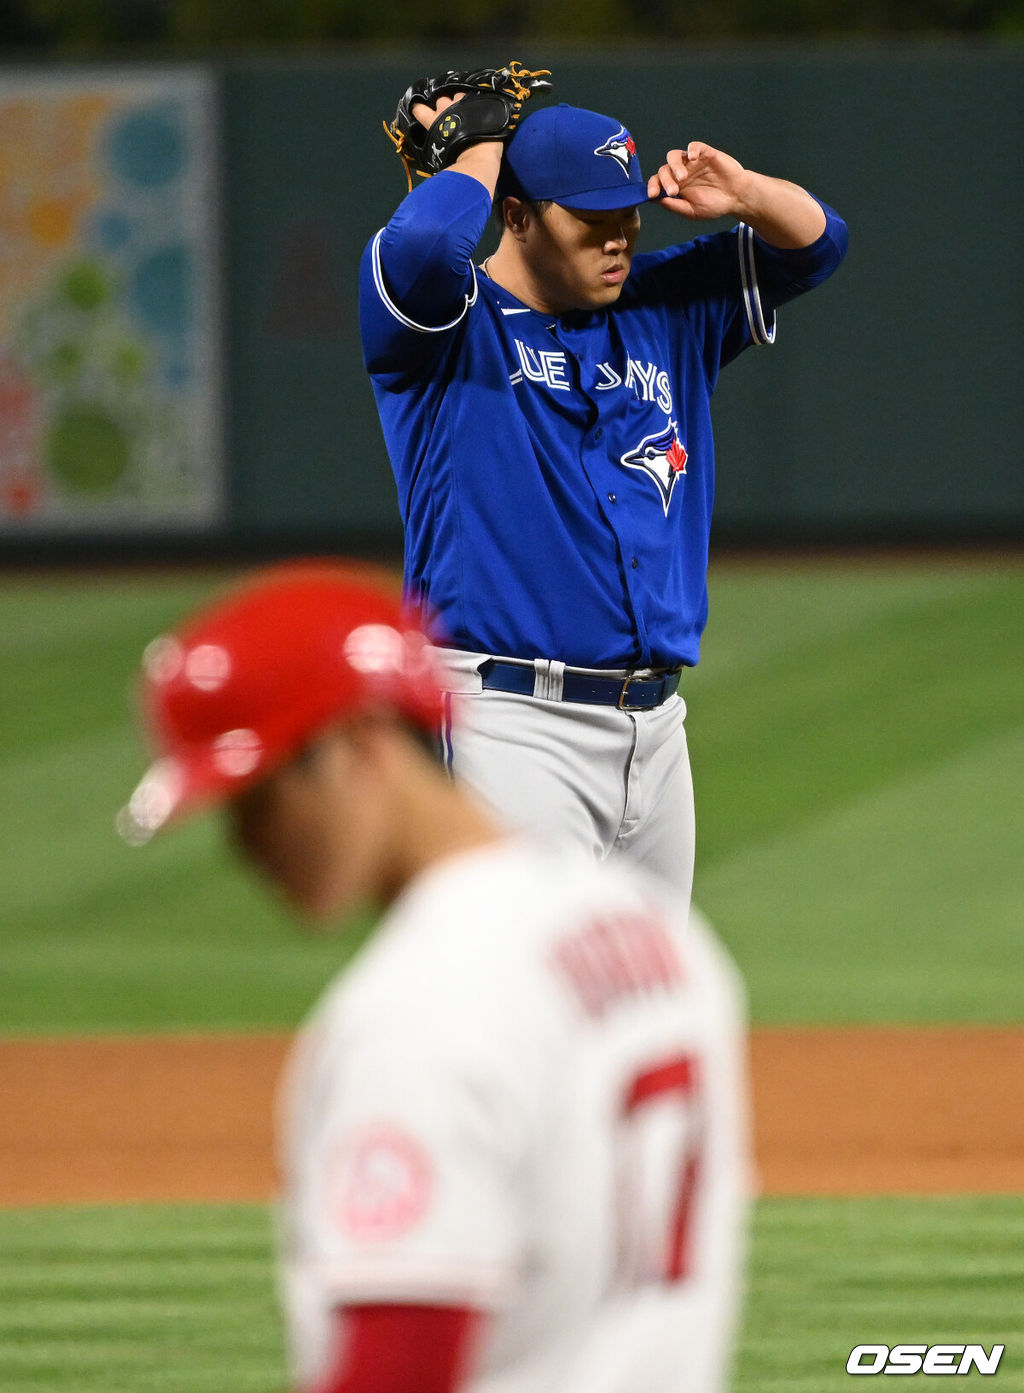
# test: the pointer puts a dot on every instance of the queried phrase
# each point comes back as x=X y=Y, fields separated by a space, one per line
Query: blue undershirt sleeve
x=426 y=250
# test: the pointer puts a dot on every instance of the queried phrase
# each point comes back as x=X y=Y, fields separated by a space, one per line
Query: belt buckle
x=622 y=702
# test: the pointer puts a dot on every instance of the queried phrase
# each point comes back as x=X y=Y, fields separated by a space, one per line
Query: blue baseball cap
x=577 y=158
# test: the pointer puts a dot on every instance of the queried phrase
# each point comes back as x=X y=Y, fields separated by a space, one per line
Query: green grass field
x=857 y=736
x=180 y=1299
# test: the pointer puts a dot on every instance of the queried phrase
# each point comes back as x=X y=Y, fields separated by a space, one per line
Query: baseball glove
x=489 y=110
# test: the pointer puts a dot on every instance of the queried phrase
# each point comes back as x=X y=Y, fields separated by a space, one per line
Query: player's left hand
x=699 y=182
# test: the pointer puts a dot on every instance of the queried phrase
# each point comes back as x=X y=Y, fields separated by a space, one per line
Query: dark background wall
x=891 y=407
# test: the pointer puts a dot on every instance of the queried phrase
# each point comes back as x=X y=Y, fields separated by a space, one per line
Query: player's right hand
x=699 y=182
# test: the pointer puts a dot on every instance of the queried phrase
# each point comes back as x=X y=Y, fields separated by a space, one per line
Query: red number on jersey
x=659 y=1168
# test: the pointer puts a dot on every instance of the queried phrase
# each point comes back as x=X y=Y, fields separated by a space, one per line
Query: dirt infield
x=837 y=1112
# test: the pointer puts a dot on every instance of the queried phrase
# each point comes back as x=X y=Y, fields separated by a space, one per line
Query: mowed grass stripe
x=904 y=904
x=70 y=646
x=180 y=1299
x=97 y=935
x=831 y=704
x=155 y=1298
x=827 y=1275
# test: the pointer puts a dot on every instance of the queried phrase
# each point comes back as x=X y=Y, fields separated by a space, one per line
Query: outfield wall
x=891 y=407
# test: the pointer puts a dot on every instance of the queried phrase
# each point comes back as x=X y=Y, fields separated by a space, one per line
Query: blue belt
x=627 y=693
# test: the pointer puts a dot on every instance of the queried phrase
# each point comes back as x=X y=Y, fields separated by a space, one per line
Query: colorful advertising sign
x=109 y=353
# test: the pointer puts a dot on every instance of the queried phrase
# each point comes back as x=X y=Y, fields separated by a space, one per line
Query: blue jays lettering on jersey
x=556 y=473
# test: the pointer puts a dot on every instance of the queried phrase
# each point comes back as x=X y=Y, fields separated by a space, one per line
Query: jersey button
x=635 y=562
x=611 y=498
x=598 y=433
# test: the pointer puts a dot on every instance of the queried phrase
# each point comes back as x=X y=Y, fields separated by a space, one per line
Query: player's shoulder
x=495 y=303
x=457 y=972
x=534 y=889
x=449 y=932
x=503 y=903
x=536 y=907
x=693 y=267
x=477 y=931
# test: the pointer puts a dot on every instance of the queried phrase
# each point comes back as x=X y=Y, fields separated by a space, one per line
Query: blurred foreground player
x=513 y=1132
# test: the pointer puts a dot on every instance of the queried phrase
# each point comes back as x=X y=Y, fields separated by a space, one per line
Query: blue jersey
x=556 y=474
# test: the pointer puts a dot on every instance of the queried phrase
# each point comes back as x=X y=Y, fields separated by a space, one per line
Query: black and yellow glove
x=490 y=109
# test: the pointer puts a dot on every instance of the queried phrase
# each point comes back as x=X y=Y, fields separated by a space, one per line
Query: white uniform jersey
x=526 y=1096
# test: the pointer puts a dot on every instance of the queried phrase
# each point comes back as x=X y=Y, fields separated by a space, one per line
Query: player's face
x=579 y=259
x=311 y=828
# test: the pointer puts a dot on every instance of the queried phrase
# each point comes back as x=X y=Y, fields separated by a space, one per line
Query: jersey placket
x=585 y=350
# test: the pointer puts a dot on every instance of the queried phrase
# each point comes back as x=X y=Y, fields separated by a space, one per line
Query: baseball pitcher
x=547 y=415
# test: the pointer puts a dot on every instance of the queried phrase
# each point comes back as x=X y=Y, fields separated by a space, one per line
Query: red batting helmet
x=245 y=682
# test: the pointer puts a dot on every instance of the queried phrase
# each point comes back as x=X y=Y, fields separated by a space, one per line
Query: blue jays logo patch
x=662 y=457
x=621 y=148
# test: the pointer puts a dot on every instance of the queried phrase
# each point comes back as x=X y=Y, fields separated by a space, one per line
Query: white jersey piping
x=392 y=308
x=761 y=331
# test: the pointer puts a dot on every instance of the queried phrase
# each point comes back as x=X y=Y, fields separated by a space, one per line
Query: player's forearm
x=482 y=162
x=781 y=213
